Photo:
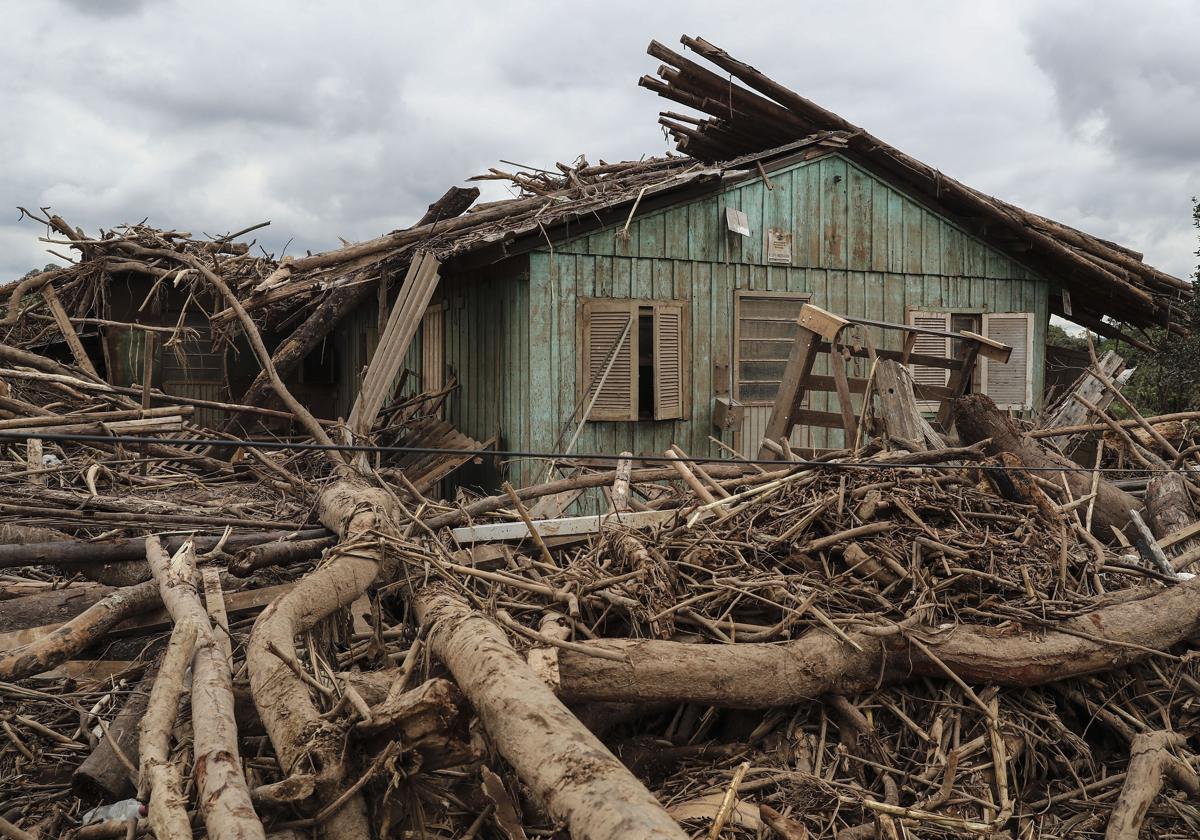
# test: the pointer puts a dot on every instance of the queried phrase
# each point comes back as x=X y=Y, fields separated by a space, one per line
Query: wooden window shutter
x=930 y=345
x=610 y=342
x=1010 y=385
x=668 y=361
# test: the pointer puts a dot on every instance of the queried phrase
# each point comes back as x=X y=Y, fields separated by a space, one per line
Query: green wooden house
x=621 y=329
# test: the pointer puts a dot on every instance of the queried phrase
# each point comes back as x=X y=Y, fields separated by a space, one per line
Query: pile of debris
x=984 y=639
x=293 y=636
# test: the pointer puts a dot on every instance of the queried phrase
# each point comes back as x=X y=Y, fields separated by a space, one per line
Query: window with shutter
x=668 y=361
x=930 y=345
x=610 y=338
x=634 y=359
x=1010 y=385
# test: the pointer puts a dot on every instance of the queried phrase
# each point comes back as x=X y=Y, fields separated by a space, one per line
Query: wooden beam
x=569 y=526
x=67 y=329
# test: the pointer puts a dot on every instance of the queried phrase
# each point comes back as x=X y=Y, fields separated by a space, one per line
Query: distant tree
x=1169 y=380
x=1056 y=336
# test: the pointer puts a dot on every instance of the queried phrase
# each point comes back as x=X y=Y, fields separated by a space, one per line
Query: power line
x=308 y=446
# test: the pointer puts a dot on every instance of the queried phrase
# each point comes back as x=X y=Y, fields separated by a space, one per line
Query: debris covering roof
x=956 y=638
x=755 y=113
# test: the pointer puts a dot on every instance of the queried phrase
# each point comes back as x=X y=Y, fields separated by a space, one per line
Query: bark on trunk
x=87 y=627
x=352 y=509
x=103 y=776
x=51 y=607
x=1168 y=505
x=160 y=784
x=760 y=675
x=222 y=793
x=977 y=418
x=569 y=770
x=1150 y=760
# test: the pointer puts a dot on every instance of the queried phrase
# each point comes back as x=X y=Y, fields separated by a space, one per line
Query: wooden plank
x=791 y=390
x=569 y=526
x=63 y=321
x=415 y=295
x=214 y=604
x=837 y=365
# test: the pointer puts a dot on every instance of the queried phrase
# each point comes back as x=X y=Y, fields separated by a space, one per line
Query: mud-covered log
x=78 y=633
x=221 y=790
x=352 y=509
x=1151 y=762
x=977 y=418
x=568 y=769
x=103 y=776
x=760 y=675
x=1168 y=504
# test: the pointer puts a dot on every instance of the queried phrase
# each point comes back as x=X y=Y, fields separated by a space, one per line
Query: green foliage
x=1168 y=380
x=1056 y=336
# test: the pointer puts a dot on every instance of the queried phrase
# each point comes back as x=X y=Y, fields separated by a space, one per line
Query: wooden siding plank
x=834 y=216
x=914 y=237
x=860 y=218
x=753 y=198
x=931 y=243
x=880 y=227
x=675 y=232
x=651 y=235
x=806 y=207
x=703 y=242
x=895 y=237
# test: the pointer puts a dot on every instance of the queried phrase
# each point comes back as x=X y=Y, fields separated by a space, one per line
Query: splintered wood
x=915 y=637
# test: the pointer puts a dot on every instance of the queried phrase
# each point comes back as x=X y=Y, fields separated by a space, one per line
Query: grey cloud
x=348 y=120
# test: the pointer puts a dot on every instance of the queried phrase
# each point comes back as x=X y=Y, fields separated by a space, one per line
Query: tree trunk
x=569 y=770
x=761 y=675
x=1168 y=505
x=102 y=776
x=977 y=418
x=221 y=790
x=352 y=509
x=87 y=627
x=1150 y=759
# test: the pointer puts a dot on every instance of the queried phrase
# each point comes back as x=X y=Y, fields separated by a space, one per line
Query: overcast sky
x=347 y=119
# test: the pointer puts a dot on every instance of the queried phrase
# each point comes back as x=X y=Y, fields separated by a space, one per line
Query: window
x=1010 y=385
x=633 y=364
x=765 y=332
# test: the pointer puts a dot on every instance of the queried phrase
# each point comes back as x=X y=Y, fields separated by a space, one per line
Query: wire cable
x=306 y=446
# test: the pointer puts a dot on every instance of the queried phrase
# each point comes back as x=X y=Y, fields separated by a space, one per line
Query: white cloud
x=348 y=119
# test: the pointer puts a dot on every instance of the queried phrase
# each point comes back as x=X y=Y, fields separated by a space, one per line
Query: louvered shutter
x=930 y=345
x=668 y=361
x=610 y=332
x=1010 y=384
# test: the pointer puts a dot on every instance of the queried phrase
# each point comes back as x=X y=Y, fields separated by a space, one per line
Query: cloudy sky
x=346 y=119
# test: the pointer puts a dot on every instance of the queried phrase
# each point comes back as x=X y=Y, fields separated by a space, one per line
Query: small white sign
x=779 y=246
x=737 y=221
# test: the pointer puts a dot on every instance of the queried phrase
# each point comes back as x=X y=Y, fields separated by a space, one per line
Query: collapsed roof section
x=750 y=118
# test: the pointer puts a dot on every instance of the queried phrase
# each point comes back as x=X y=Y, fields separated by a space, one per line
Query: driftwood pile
x=982 y=640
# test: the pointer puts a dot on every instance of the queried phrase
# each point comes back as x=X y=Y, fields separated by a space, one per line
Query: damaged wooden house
x=628 y=307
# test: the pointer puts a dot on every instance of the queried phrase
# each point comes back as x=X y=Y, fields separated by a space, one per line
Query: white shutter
x=930 y=345
x=610 y=332
x=1010 y=385
x=668 y=361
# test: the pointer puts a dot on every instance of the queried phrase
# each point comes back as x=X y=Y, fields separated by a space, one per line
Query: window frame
x=735 y=372
x=635 y=305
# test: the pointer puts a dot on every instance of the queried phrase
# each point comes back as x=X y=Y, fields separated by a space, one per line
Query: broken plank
x=568 y=526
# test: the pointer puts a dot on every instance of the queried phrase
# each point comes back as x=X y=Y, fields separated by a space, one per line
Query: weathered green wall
x=860 y=248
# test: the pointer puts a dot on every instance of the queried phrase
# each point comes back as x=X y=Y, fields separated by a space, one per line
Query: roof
x=1104 y=278
x=762 y=123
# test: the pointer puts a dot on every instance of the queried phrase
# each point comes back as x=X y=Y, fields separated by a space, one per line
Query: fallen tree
x=757 y=675
x=977 y=419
